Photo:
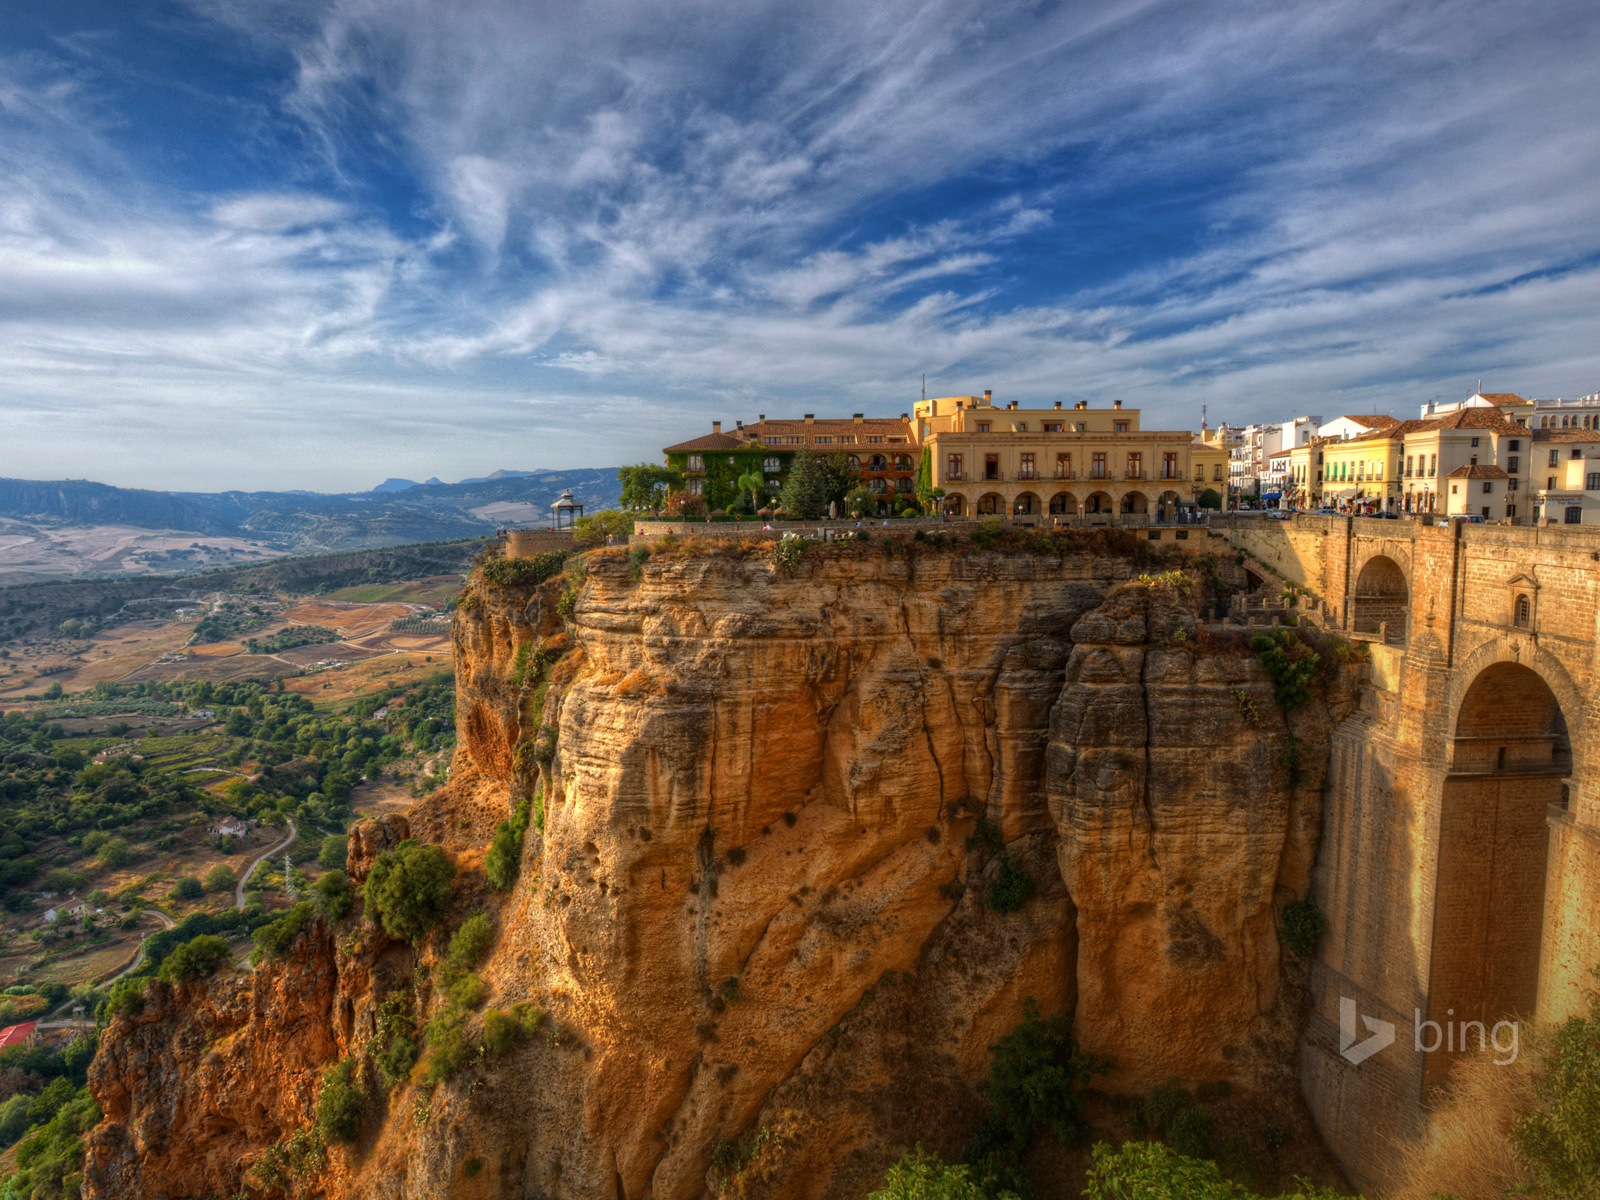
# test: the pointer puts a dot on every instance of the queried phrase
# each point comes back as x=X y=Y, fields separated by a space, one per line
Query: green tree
x=407 y=888
x=195 y=959
x=1153 y=1171
x=925 y=495
x=188 y=888
x=920 y=1175
x=340 y=1103
x=645 y=486
x=838 y=476
x=220 y=879
x=331 y=854
x=115 y=853
x=1560 y=1143
x=857 y=500
x=752 y=484
x=594 y=530
x=331 y=893
x=805 y=492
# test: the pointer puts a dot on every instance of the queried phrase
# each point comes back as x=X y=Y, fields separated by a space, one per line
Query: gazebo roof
x=565 y=500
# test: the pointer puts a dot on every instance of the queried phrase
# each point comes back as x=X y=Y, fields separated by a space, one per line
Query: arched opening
x=1382 y=601
x=955 y=505
x=1026 y=504
x=1168 y=506
x=990 y=504
x=1136 y=503
x=1063 y=504
x=1098 y=502
x=1510 y=761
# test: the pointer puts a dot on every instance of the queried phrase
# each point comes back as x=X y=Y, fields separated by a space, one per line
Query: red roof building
x=18 y=1035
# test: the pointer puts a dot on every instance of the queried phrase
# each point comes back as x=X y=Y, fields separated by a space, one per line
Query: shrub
x=1300 y=927
x=195 y=959
x=504 y=859
x=220 y=879
x=637 y=557
x=1036 y=1081
x=50 y=1159
x=407 y=888
x=524 y=572
x=987 y=532
x=1152 y=1171
x=332 y=853
x=273 y=940
x=1170 y=1113
x=393 y=1046
x=544 y=746
x=920 y=1175
x=340 y=1104
x=468 y=945
x=448 y=1047
x=332 y=894
x=1011 y=887
x=787 y=553
x=1291 y=664
x=1560 y=1143
x=468 y=992
x=115 y=853
x=125 y=996
x=188 y=888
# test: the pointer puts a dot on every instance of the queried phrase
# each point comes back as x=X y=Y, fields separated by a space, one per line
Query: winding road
x=238 y=892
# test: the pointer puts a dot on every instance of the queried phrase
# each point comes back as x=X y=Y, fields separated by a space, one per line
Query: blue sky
x=263 y=243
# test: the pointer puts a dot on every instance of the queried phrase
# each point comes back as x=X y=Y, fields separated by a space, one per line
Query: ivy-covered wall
x=720 y=479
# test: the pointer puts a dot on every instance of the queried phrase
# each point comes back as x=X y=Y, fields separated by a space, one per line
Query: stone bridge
x=1460 y=863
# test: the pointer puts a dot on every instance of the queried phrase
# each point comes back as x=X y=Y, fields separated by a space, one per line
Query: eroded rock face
x=773 y=810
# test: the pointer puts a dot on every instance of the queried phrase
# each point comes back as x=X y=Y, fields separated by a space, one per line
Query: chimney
x=1012 y=406
x=1058 y=406
x=810 y=417
x=716 y=427
x=858 y=418
x=1116 y=404
x=761 y=416
x=960 y=405
x=905 y=416
x=1081 y=404
x=988 y=396
x=738 y=424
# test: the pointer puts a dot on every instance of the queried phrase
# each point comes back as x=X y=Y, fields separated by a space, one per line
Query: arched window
x=855 y=462
x=772 y=463
x=1523 y=617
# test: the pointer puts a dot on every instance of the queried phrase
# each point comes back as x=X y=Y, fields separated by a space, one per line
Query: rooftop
x=1477 y=471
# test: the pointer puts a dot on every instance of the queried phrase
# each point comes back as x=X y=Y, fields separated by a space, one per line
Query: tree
x=838 y=476
x=645 y=486
x=188 y=888
x=331 y=854
x=220 y=879
x=340 y=1104
x=806 y=492
x=594 y=530
x=407 y=888
x=857 y=500
x=1210 y=498
x=115 y=853
x=920 y=1175
x=195 y=959
x=753 y=483
x=925 y=495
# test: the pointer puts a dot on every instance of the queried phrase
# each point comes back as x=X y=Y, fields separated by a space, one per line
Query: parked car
x=1278 y=514
x=1469 y=519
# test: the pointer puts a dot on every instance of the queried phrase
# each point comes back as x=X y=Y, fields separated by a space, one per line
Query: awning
x=1271 y=495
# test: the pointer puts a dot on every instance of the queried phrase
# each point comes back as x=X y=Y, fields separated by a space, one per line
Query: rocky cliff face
x=780 y=807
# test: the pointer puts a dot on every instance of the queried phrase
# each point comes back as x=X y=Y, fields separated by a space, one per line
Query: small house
x=230 y=827
x=25 y=1034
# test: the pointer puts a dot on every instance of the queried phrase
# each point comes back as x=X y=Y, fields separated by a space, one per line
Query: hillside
x=54 y=529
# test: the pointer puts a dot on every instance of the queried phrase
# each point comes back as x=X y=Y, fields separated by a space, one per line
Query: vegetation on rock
x=407 y=887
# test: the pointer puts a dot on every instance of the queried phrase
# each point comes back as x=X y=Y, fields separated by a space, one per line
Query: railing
x=1133 y=474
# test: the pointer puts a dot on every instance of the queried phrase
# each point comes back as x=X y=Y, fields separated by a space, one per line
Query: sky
x=275 y=244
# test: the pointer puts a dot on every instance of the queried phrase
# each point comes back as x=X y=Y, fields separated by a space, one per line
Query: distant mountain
x=396 y=512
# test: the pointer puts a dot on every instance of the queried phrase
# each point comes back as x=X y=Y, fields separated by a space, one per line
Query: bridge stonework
x=1460 y=862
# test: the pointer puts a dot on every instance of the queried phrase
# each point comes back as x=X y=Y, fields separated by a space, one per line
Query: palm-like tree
x=752 y=482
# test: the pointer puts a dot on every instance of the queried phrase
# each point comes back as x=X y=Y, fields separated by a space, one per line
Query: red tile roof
x=1504 y=398
x=1477 y=471
x=1565 y=435
x=710 y=441
x=1477 y=418
x=17 y=1035
x=1372 y=420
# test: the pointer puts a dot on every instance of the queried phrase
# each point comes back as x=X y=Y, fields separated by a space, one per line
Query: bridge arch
x=1510 y=762
x=1382 y=599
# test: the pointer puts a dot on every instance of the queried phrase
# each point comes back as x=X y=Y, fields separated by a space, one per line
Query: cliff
x=811 y=835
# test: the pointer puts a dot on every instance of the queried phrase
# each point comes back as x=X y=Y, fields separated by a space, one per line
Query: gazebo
x=565 y=512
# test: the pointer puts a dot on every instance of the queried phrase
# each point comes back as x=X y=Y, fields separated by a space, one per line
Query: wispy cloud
x=458 y=222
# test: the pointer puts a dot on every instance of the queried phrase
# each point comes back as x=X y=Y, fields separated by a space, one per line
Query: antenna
x=1202 y=416
x=924 y=385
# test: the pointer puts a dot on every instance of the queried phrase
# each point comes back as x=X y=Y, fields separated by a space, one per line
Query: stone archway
x=1025 y=505
x=1063 y=504
x=955 y=505
x=1168 y=505
x=1510 y=762
x=1382 y=599
x=1136 y=504
x=1098 y=502
x=991 y=504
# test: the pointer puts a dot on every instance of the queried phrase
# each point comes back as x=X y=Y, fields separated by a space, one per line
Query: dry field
x=107 y=657
x=346 y=683
x=32 y=551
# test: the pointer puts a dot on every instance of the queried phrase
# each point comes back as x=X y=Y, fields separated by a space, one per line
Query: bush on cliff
x=1301 y=926
x=1010 y=888
x=920 y=1175
x=1560 y=1143
x=1170 y=1113
x=332 y=895
x=50 y=1159
x=505 y=852
x=1290 y=662
x=1152 y=1171
x=341 y=1103
x=1036 y=1082
x=195 y=959
x=407 y=888
x=273 y=940
x=523 y=572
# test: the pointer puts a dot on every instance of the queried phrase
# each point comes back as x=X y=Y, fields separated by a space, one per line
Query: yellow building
x=1360 y=473
x=1302 y=486
x=1437 y=459
x=1032 y=463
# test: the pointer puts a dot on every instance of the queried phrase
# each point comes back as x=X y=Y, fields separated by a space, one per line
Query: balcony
x=955 y=476
x=1132 y=473
x=1065 y=475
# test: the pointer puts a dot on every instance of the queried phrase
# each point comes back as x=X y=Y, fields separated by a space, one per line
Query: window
x=1027 y=466
x=1555 y=457
x=1052 y=426
x=1577 y=452
x=1063 y=466
x=991 y=466
x=1513 y=463
x=692 y=487
x=1433 y=464
x=1515 y=444
x=1474 y=460
x=1136 y=466
x=1484 y=512
x=1216 y=473
x=1574 y=515
x=1522 y=616
x=772 y=463
x=1591 y=482
x=1549 y=482
x=983 y=427
x=1408 y=467
x=1474 y=443
x=855 y=462
x=824 y=441
x=1121 y=426
x=953 y=467
x=1022 y=427
x=1511 y=485
x=1169 y=466
x=696 y=463
x=1488 y=488
x=875 y=441
x=1080 y=426
x=1098 y=470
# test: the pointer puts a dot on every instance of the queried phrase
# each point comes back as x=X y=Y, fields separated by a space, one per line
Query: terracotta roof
x=16 y=1035
x=1478 y=471
x=1504 y=398
x=831 y=426
x=1371 y=420
x=1476 y=418
x=1565 y=435
x=709 y=441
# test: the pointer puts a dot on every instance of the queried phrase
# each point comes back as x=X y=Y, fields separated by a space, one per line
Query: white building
x=1248 y=461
